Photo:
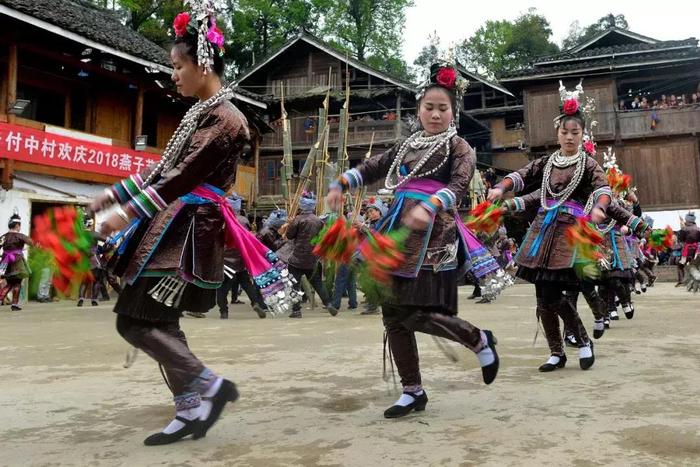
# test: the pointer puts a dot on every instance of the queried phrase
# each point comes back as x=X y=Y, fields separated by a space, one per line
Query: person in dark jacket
x=302 y=262
x=689 y=238
x=236 y=274
x=269 y=235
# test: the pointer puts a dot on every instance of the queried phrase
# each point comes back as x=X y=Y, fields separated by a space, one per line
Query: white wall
x=28 y=187
x=9 y=201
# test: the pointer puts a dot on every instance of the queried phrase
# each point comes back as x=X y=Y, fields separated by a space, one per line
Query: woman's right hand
x=100 y=203
x=113 y=223
x=495 y=194
x=334 y=199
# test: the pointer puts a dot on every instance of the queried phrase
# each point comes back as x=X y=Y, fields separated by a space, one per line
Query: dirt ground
x=312 y=392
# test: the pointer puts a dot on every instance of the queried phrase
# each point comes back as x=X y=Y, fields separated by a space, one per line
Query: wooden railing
x=638 y=124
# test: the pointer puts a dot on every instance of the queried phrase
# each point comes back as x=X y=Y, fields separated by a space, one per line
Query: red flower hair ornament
x=570 y=107
x=180 y=23
x=446 y=77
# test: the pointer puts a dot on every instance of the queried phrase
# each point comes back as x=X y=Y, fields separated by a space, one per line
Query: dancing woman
x=13 y=266
x=429 y=172
x=572 y=184
x=178 y=223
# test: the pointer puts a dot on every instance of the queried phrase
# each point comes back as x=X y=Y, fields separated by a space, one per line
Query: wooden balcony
x=677 y=121
x=359 y=133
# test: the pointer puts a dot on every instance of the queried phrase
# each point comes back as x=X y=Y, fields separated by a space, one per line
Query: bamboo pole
x=363 y=190
x=322 y=156
x=287 y=157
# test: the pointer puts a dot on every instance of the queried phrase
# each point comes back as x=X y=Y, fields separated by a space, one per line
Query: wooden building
x=657 y=146
x=499 y=138
x=77 y=89
x=301 y=72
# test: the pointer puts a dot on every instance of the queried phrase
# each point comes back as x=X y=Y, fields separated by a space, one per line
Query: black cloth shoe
x=489 y=372
x=586 y=363
x=223 y=316
x=332 y=310
x=370 y=311
x=15 y=308
x=418 y=404
x=80 y=302
x=295 y=314
x=95 y=303
x=547 y=367
x=598 y=333
x=570 y=340
x=260 y=311
x=160 y=439
x=226 y=393
x=629 y=314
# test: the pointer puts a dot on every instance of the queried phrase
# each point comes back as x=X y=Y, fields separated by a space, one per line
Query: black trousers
x=314 y=277
x=402 y=322
x=240 y=279
x=165 y=343
x=552 y=304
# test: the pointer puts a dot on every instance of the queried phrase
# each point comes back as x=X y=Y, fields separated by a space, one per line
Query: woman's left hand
x=624 y=230
x=417 y=218
x=113 y=223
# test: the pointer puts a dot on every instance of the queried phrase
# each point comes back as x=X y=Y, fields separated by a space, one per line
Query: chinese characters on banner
x=39 y=147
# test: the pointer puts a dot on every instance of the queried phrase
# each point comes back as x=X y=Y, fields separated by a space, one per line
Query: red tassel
x=486 y=217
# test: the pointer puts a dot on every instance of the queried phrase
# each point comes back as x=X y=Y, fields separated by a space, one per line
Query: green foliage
x=578 y=35
x=369 y=29
x=428 y=55
x=501 y=46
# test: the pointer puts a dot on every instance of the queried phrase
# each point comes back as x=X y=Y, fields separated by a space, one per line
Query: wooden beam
x=67 y=111
x=3 y=90
x=138 y=119
x=7 y=173
x=310 y=69
x=11 y=95
x=64 y=173
x=398 y=115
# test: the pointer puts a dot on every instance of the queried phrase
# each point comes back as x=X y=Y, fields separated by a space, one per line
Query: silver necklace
x=418 y=141
x=176 y=145
x=563 y=196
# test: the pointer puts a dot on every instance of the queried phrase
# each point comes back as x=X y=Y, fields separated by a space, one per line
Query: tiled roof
x=91 y=22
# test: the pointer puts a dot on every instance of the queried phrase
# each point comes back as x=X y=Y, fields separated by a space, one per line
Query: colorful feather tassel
x=65 y=247
x=380 y=255
x=586 y=241
x=337 y=241
x=661 y=239
x=486 y=217
x=619 y=182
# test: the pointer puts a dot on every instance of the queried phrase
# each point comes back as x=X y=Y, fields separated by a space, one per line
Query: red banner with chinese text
x=40 y=147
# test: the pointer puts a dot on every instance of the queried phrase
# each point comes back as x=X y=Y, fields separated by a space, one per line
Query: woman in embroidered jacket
x=175 y=212
x=572 y=184
x=429 y=171
x=624 y=222
x=13 y=266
